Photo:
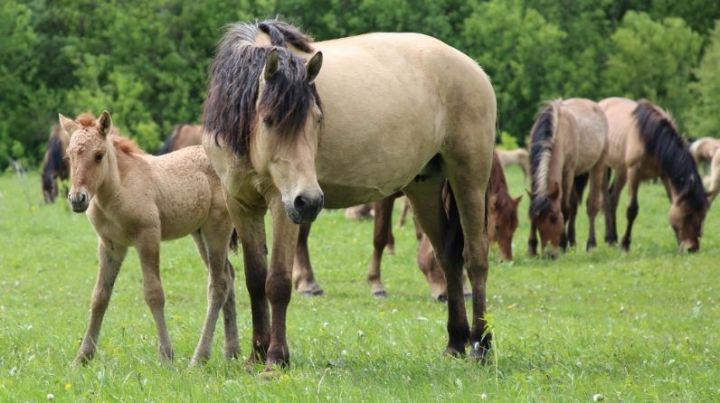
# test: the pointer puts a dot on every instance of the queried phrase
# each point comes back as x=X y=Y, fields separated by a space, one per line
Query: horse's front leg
x=111 y=257
x=633 y=207
x=303 y=276
x=595 y=201
x=250 y=225
x=147 y=244
x=278 y=286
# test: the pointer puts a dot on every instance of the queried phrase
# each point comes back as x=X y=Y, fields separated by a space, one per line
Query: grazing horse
x=644 y=144
x=389 y=112
x=519 y=157
x=183 y=135
x=568 y=139
x=134 y=199
x=55 y=163
x=703 y=149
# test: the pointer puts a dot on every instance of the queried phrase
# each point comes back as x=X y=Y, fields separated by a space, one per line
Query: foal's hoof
x=390 y=250
x=454 y=352
x=625 y=246
x=380 y=294
x=590 y=246
x=480 y=349
x=81 y=360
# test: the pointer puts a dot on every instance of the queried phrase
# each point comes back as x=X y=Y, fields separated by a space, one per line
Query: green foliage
x=654 y=60
x=146 y=61
x=705 y=118
x=507 y=141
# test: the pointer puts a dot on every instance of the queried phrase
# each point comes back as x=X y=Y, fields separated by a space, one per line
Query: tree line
x=146 y=61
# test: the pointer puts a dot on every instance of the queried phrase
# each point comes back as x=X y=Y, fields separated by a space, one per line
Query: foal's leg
x=250 y=225
x=633 y=207
x=594 y=201
x=214 y=241
x=111 y=257
x=303 y=276
x=148 y=247
x=382 y=231
x=427 y=204
x=611 y=204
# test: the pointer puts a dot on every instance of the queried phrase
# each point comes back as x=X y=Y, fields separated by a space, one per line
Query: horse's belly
x=341 y=196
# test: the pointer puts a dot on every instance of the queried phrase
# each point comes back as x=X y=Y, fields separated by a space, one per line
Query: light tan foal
x=135 y=199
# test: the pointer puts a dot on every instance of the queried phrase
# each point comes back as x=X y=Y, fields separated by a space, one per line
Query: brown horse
x=133 y=199
x=644 y=144
x=568 y=139
x=55 y=163
x=183 y=135
x=389 y=112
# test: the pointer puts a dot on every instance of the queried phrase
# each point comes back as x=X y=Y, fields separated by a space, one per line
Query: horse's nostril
x=300 y=202
x=82 y=198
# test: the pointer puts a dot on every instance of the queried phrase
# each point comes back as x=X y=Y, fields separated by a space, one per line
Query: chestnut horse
x=568 y=139
x=55 y=163
x=644 y=144
x=133 y=199
x=389 y=112
x=183 y=135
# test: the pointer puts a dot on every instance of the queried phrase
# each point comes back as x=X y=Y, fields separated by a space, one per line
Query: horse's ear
x=516 y=200
x=69 y=125
x=554 y=191
x=493 y=202
x=313 y=66
x=104 y=123
x=271 y=64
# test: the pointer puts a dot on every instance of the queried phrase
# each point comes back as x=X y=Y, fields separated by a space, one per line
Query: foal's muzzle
x=305 y=207
x=79 y=201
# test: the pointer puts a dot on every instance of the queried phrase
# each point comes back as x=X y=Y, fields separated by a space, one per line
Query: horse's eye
x=99 y=157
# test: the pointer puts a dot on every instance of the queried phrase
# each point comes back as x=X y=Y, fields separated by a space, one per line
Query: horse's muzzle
x=79 y=201
x=304 y=208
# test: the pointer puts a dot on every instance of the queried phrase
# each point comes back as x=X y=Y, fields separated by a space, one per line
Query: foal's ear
x=104 y=123
x=271 y=64
x=69 y=125
x=313 y=66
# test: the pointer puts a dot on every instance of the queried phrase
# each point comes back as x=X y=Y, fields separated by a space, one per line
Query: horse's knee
x=155 y=297
x=632 y=210
x=278 y=288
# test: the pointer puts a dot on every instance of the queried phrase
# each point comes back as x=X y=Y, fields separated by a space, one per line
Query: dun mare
x=568 y=139
x=502 y=223
x=55 y=163
x=183 y=135
x=133 y=199
x=389 y=112
x=644 y=144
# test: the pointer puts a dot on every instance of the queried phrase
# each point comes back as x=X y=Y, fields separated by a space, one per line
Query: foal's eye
x=99 y=157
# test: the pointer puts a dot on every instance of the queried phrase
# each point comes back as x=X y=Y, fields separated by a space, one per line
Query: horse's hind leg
x=633 y=207
x=110 y=257
x=381 y=238
x=303 y=276
x=611 y=204
x=148 y=247
x=427 y=204
x=594 y=201
x=219 y=284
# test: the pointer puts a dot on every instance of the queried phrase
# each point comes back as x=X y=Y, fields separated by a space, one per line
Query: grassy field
x=641 y=326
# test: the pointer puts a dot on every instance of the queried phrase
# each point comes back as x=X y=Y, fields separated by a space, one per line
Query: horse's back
x=391 y=102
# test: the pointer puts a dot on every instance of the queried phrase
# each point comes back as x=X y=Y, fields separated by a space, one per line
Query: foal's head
x=90 y=152
x=546 y=215
x=285 y=141
x=503 y=221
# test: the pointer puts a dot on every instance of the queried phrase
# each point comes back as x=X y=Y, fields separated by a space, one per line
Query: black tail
x=170 y=141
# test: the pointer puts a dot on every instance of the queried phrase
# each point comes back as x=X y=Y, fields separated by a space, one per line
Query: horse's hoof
x=440 y=298
x=317 y=292
x=625 y=246
x=379 y=294
x=611 y=241
x=309 y=293
x=590 y=246
x=454 y=352
x=232 y=353
x=390 y=250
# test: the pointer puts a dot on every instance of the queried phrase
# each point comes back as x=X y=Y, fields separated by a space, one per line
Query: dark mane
x=230 y=109
x=663 y=142
x=170 y=141
x=541 y=147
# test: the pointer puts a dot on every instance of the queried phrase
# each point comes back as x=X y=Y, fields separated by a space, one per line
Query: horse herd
x=292 y=126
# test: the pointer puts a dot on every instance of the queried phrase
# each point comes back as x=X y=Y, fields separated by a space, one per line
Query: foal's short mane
x=663 y=142
x=230 y=111
x=542 y=140
x=120 y=142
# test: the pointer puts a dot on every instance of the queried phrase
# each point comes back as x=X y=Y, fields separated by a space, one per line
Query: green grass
x=633 y=327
